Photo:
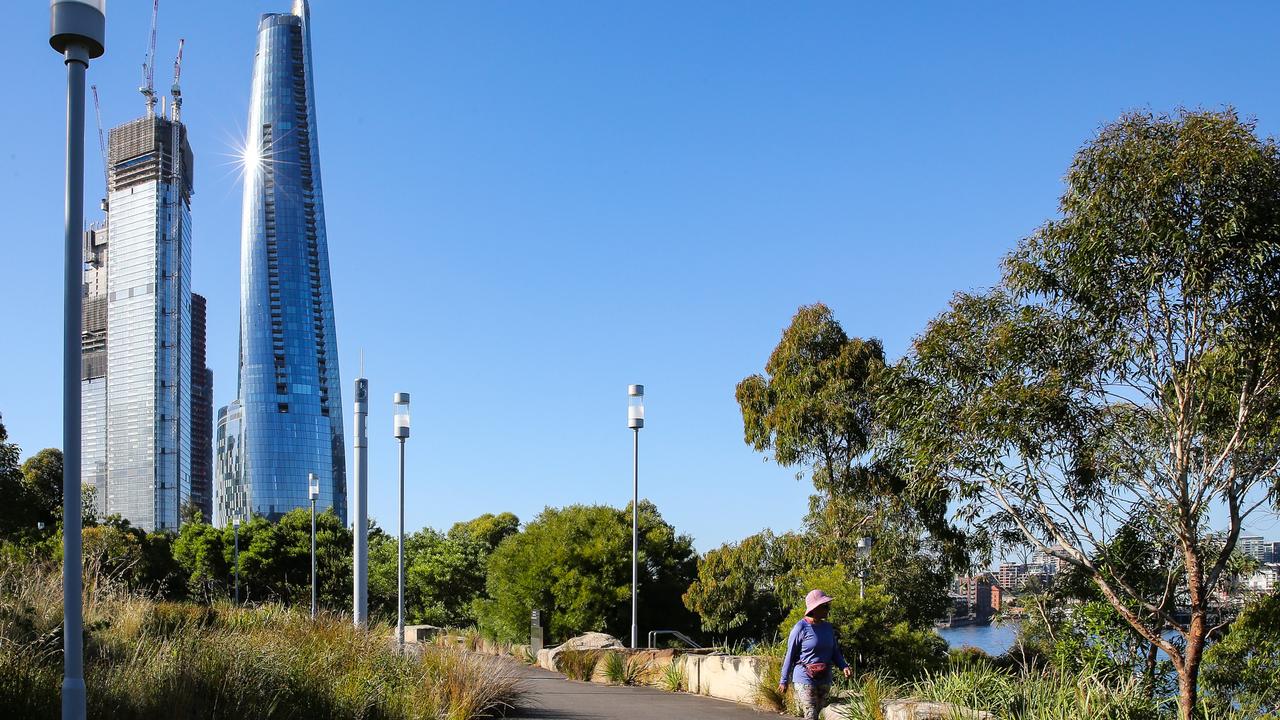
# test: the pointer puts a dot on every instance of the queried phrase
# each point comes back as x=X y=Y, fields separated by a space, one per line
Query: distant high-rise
x=201 y=413
x=136 y=345
x=289 y=406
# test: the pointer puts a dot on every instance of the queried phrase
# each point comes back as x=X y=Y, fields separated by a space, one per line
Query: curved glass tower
x=290 y=404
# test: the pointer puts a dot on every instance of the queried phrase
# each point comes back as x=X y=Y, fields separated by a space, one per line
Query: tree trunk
x=1150 y=669
x=1189 y=672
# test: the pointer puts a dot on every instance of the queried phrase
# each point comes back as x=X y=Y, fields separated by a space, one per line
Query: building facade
x=231 y=495
x=290 y=406
x=201 y=412
x=93 y=367
x=136 y=344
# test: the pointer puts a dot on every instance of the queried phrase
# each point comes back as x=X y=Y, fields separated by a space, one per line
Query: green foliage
x=275 y=559
x=575 y=562
x=444 y=576
x=578 y=664
x=488 y=528
x=1039 y=696
x=817 y=407
x=1243 y=668
x=672 y=678
x=736 y=592
x=873 y=632
x=621 y=668
x=42 y=485
x=200 y=551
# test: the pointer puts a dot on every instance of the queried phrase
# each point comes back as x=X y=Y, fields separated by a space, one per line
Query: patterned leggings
x=812 y=699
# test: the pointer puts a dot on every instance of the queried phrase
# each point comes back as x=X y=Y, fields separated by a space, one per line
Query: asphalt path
x=551 y=696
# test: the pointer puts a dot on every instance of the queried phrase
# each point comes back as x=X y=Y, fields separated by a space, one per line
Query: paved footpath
x=550 y=696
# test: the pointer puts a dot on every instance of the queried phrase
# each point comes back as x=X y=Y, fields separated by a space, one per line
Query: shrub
x=621 y=668
x=672 y=678
x=578 y=664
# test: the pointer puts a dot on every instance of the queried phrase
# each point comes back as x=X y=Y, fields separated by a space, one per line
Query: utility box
x=537 y=633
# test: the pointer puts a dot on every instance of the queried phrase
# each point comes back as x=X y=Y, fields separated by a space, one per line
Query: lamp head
x=78 y=22
x=635 y=406
x=401 y=403
x=313 y=486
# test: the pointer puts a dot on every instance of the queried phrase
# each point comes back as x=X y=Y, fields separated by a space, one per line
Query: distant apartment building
x=137 y=376
x=1253 y=546
x=977 y=596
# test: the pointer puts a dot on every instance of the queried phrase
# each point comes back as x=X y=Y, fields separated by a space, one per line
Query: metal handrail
x=653 y=636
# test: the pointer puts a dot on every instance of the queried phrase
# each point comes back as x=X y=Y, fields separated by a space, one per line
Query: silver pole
x=313 y=558
x=400 y=546
x=73 y=692
x=236 y=528
x=360 y=525
x=635 y=537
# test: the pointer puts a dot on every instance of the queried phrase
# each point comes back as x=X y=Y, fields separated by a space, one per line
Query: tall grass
x=1047 y=695
x=578 y=664
x=621 y=668
x=672 y=678
x=146 y=659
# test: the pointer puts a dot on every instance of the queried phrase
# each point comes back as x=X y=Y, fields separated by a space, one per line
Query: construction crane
x=176 y=91
x=148 y=88
x=102 y=142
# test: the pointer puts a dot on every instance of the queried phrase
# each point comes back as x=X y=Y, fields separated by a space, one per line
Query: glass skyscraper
x=289 y=409
x=136 y=347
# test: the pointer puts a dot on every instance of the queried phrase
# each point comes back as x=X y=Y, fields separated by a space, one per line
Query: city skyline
x=496 y=191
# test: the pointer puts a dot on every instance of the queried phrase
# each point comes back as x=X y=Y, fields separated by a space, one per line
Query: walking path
x=550 y=696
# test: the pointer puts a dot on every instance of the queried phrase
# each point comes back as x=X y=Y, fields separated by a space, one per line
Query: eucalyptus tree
x=1125 y=370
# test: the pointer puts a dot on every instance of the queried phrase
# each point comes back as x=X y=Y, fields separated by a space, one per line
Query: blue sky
x=532 y=205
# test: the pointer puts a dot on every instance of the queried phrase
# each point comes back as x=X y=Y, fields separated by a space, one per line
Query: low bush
x=672 y=677
x=578 y=664
x=622 y=668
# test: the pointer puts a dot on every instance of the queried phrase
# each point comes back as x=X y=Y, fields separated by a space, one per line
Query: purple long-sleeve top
x=811 y=643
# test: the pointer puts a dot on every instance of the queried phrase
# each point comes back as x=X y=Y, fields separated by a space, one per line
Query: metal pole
x=313 y=558
x=360 y=525
x=635 y=537
x=237 y=536
x=400 y=546
x=73 y=692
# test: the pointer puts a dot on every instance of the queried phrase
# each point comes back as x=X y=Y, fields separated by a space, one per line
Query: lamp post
x=235 y=525
x=313 y=486
x=635 y=421
x=77 y=30
x=401 y=402
x=864 y=555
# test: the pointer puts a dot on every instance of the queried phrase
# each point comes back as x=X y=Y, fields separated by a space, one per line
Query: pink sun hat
x=814 y=599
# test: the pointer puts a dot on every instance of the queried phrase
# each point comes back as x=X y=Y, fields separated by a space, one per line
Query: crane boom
x=102 y=143
x=176 y=90
x=148 y=89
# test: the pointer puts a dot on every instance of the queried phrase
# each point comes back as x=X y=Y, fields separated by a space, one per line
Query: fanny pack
x=815 y=669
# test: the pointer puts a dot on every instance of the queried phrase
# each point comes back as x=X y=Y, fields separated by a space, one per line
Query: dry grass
x=578 y=664
x=147 y=659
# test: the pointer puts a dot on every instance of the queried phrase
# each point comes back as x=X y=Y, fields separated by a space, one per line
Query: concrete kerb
x=735 y=678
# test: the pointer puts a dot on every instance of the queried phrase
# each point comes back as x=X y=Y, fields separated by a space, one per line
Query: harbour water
x=992 y=639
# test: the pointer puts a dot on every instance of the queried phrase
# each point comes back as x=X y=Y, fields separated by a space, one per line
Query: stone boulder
x=921 y=710
x=589 y=641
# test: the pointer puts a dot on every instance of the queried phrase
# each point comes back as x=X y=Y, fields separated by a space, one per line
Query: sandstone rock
x=589 y=641
x=921 y=710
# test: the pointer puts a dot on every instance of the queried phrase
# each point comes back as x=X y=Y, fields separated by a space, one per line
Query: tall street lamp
x=235 y=525
x=401 y=402
x=635 y=421
x=78 y=31
x=313 y=485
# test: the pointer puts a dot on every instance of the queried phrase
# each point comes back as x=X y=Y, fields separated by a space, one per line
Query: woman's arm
x=793 y=655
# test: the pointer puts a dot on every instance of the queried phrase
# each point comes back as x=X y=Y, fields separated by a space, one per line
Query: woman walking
x=812 y=650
